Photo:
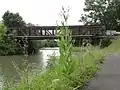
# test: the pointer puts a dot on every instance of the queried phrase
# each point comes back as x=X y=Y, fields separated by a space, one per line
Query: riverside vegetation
x=68 y=72
x=11 y=46
x=55 y=77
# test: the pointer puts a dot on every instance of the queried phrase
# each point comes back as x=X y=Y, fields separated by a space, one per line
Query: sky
x=43 y=12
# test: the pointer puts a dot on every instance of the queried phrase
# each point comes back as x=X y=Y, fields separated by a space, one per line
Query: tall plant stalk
x=65 y=43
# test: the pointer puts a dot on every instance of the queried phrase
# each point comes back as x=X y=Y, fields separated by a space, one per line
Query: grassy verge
x=84 y=49
x=82 y=71
x=55 y=78
x=113 y=48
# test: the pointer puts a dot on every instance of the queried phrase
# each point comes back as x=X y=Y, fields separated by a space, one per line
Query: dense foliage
x=8 y=44
x=102 y=12
x=12 y=20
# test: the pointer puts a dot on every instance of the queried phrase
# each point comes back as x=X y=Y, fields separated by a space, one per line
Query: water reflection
x=36 y=62
x=46 y=53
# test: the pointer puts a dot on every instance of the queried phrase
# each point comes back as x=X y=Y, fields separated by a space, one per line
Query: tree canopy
x=3 y=30
x=9 y=44
x=102 y=12
x=12 y=19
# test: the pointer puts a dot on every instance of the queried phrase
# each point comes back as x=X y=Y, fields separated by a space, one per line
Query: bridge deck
x=50 y=32
x=55 y=37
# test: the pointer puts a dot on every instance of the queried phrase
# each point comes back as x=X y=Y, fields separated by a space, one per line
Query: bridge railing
x=52 y=30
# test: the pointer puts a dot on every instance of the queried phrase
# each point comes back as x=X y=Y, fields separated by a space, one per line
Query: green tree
x=7 y=46
x=12 y=20
x=101 y=12
x=3 y=30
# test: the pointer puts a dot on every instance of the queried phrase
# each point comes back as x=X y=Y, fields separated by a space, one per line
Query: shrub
x=105 y=42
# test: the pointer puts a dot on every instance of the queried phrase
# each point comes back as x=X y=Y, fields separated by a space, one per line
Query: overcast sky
x=43 y=12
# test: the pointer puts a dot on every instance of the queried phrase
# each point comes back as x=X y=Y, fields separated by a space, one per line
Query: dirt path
x=108 y=78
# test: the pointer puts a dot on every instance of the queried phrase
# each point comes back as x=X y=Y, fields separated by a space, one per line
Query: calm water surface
x=38 y=61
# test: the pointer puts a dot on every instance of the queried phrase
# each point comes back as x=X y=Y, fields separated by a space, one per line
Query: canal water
x=35 y=62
